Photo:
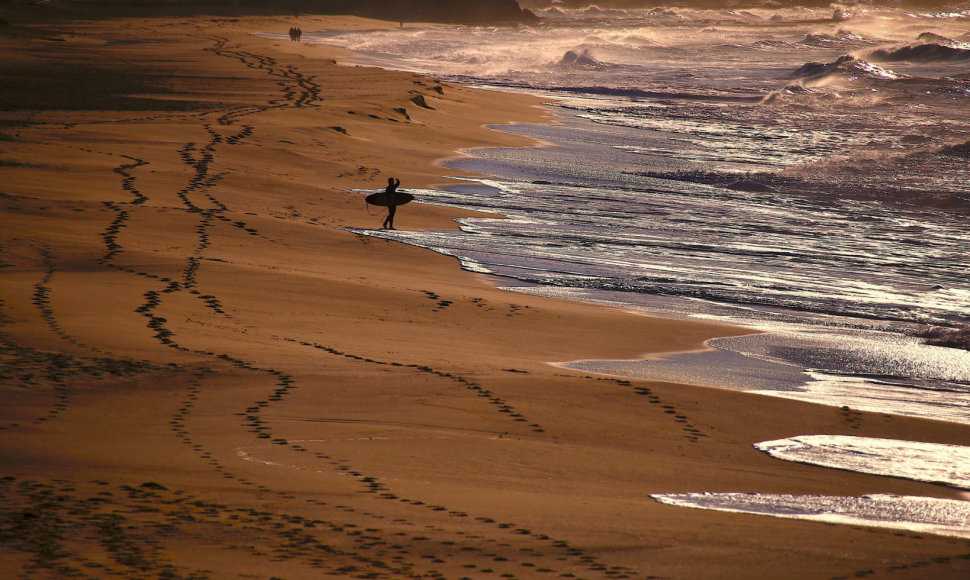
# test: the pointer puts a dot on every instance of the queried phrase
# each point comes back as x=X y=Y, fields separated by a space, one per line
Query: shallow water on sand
x=840 y=320
x=931 y=515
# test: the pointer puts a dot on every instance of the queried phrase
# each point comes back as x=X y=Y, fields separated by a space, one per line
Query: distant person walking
x=389 y=192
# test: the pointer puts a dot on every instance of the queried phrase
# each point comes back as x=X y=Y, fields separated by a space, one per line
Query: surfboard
x=380 y=198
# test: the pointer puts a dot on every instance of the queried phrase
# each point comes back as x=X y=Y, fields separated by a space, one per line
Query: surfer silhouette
x=392 y=184
x=389 y=198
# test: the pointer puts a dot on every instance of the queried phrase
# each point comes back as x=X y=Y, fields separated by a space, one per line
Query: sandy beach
x=205 y=374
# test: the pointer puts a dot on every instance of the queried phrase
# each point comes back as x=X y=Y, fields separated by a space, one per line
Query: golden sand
x=204 y=374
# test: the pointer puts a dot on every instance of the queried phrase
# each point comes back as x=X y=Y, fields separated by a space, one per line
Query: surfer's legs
x=389 y=220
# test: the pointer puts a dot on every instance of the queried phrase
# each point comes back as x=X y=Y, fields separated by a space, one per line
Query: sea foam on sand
x=930 y=462
x=919 y=514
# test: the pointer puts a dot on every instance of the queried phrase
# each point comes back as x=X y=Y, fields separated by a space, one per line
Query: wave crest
x=845 y=65
x=932 y=37
x=842 y=36
x=921 y=53
x=583 y=59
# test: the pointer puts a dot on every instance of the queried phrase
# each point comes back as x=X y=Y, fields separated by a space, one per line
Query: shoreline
x=725 y=367
x=179 y=285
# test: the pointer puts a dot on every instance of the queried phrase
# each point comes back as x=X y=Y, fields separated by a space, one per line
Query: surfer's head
x=390 y=180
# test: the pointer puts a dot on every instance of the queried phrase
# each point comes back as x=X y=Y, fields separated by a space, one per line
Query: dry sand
x=205 y=375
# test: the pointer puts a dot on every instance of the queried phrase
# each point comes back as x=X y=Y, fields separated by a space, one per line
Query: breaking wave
x=845 y=65
x=582 y=59
x=842 y=37
x=933 y=38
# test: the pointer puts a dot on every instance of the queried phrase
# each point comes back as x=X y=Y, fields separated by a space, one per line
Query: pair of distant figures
x=295 y=34
x=389 y=198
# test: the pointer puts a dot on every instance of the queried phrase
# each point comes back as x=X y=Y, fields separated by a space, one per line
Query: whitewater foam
x=919 y=461
x=919 y=514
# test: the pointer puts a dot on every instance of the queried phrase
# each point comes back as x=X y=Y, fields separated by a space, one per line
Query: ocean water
x=802 y=172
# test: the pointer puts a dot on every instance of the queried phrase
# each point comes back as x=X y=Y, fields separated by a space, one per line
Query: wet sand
x=204 y=374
